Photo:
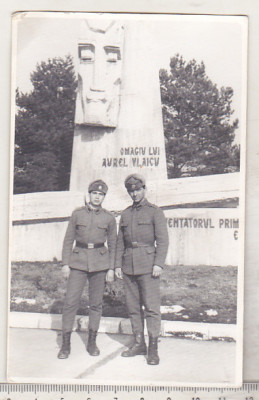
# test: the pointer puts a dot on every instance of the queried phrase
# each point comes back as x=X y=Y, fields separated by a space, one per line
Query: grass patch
x=199 y=289
x=206 y=294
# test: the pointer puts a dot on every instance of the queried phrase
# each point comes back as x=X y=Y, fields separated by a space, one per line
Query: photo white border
x=230 y=8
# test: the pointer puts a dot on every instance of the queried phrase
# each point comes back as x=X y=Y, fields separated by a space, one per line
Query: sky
x=220 y=42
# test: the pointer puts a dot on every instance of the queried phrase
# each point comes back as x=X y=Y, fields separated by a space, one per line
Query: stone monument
x=118 y=120
x=99 y=74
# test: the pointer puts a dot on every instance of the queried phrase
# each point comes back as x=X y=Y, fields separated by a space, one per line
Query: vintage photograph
x=127 y=198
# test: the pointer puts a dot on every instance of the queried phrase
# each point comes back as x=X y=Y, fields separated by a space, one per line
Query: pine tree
x=196 y=116
x=44 y=128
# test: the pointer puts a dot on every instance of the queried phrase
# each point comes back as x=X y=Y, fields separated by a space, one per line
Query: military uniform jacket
x=143 y=226
x=90 y=226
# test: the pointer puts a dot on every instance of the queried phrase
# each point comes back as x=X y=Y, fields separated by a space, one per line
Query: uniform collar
x=139 y=205
x=95 y=210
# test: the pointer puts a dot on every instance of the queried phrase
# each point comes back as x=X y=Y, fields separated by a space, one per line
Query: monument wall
x=202 y=236
x=197 y=236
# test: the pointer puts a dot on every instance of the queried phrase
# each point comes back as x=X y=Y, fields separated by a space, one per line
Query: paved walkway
x=33 y=357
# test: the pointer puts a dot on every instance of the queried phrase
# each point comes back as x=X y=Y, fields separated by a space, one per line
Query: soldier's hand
x=65 y=271
x=156 y=271
x=118 y=273
x=110 y=276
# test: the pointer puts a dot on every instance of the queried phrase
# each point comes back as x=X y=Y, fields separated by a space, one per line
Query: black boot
x=152 y=358
x=138 y=348
x=65 y=349
x=91 y=344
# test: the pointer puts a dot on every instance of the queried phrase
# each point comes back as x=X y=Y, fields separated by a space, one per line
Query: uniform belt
x=134 y=245
x=89 y=245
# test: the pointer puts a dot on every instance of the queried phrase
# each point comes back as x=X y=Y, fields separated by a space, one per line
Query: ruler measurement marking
x=246 y=392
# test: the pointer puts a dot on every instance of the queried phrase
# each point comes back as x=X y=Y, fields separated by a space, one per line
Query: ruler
x=249 y=391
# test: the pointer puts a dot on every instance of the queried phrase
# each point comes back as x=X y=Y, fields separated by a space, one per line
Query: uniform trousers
x=143 y=290
x=76 y=282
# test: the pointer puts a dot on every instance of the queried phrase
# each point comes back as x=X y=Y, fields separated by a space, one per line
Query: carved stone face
x=99 y=74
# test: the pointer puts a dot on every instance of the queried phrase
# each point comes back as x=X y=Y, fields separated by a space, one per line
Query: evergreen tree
x=44 y=128
x=196 y=116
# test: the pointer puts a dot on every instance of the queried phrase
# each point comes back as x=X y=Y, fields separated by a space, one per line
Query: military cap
x=99 y=186
x=134 y=181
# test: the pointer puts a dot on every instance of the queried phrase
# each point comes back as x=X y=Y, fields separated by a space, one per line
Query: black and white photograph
x=127 y=199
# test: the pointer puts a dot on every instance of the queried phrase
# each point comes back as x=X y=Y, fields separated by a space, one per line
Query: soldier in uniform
x=85 y=256
x=141 y=250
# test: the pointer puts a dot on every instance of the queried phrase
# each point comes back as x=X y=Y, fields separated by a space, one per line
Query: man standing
x=142 y=245
x=88 y=230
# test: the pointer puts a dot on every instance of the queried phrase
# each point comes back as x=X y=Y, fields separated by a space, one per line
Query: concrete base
x=195 y=330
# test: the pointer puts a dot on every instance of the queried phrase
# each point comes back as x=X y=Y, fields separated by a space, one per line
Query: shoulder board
x=151 y=205
x=79 y=208
x=128 y=208
x=108 y=212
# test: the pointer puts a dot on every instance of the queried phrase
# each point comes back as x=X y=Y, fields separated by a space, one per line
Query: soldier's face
x=137 y=195
x=96 y=197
